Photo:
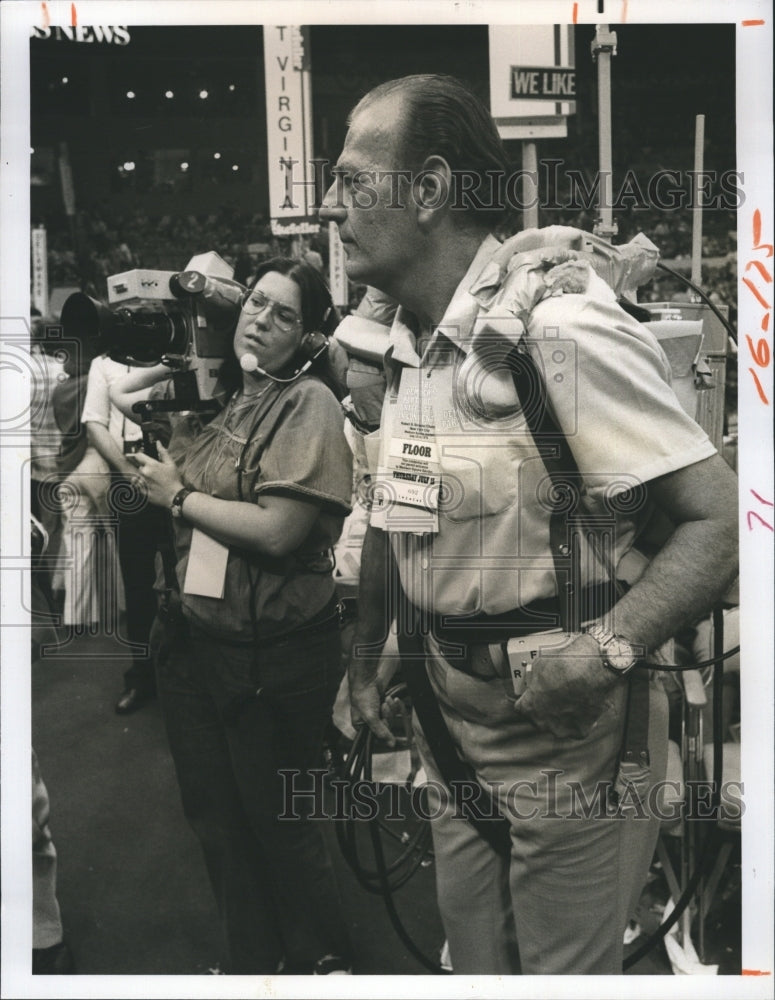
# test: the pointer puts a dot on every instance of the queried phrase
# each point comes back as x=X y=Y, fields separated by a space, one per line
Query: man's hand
x=371 y=629
x=366 y=701
x=568 y=690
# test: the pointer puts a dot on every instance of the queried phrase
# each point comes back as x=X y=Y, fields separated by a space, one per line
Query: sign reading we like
x=549 y=83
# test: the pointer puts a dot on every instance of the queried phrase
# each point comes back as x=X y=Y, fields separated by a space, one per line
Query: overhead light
x=168 y=94
x=216 y=156
x=203 y=94
x=232 y=87
x=184 y=166
x=235 y=166
x=130 y=94
x=129 y=166
x=65 y=79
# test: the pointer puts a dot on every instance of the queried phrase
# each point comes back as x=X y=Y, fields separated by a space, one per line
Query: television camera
x=185 y=319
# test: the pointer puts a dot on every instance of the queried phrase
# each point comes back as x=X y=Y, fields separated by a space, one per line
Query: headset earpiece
x=312 y=345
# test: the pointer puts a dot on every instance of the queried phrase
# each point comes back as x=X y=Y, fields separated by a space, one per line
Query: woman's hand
x=162 y=479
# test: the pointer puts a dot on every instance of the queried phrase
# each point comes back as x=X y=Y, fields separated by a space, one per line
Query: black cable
x=695 y=288
x=392 y=913
x=384 y=880
x=409 y=860
x=708 y=851
x=379 y=883
x=676 y=668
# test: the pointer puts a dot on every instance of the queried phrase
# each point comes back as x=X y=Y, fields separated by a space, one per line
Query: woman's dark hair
x=442 y=117
x=318 y=315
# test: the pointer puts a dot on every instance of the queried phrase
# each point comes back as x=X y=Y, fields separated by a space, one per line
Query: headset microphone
x=248 y=363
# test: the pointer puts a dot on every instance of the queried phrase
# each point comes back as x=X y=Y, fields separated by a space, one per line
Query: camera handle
x=186 y=399
x=146 y=409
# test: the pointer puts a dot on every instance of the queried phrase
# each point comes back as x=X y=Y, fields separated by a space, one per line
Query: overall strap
x=558 y=459
x=561 y=465
x=489 y=823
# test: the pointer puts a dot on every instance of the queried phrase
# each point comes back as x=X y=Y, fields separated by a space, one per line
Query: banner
x=40 y=270
x=289 y=131
x=66 y=177
x=337 y=277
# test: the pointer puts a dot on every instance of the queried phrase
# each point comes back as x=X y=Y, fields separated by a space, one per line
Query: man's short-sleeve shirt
x=608 y=383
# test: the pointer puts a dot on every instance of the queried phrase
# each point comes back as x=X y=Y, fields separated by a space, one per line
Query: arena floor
x=132 y=887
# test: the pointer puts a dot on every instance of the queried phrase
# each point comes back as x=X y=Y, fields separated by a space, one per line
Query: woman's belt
x=327 y=618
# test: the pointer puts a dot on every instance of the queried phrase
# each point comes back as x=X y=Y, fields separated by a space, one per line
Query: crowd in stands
x=110 y=243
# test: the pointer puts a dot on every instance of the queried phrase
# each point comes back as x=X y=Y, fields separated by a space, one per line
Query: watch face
x=619 y=654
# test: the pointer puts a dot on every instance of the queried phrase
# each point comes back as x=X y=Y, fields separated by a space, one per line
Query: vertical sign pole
x=603 y=47
x=699 y=144
x=529 y=184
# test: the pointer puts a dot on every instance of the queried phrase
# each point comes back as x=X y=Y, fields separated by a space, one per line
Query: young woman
x=258 y=497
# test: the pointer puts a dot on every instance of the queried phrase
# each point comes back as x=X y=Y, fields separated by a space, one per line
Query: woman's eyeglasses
x=285 y=317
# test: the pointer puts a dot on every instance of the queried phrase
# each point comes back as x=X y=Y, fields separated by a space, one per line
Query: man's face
x=371 y=202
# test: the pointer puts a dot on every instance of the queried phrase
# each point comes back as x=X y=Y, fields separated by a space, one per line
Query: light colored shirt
x=45 y=434
x=97 y=406
x=607 y=380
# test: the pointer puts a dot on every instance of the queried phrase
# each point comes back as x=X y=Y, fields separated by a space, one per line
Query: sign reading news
x=289 y=130
x=88 y=33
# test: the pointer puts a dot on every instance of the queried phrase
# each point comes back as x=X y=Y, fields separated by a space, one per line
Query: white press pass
x=206 y=570
x=406 y=494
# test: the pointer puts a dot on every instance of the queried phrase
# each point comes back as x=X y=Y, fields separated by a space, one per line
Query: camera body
x=187 y=318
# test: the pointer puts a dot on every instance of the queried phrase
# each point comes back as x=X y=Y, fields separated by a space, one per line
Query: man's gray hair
x=442 y=117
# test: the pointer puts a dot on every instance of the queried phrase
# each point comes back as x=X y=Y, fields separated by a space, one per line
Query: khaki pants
x=560 y=903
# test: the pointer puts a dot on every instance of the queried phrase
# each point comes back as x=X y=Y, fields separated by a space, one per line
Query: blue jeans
x=273 y=879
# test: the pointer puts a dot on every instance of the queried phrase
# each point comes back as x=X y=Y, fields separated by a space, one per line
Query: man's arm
x=693 y=570
x=100 y=437
x=135 y=387
x=96 y=419
x=698 y=563
x=371 y=629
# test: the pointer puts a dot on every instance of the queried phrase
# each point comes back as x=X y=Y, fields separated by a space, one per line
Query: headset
x=311 y=347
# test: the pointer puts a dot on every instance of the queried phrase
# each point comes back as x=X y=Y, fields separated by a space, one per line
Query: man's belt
x=475 y=644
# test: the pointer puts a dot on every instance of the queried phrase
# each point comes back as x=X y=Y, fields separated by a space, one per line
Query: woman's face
x=270 y=324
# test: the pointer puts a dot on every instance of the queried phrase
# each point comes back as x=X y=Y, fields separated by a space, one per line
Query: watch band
x=619 y=655
x=176 y=507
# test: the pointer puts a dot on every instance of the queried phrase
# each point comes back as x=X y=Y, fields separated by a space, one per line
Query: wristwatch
x=618 y=654
x=176 y=507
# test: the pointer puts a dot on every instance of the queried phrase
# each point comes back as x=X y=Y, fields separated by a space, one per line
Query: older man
x=463 y=518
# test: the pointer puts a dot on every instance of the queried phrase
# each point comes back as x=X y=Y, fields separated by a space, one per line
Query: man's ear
x=432 y=189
